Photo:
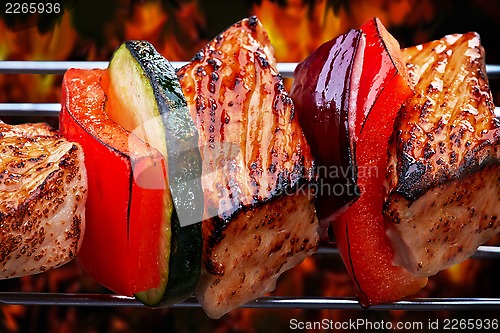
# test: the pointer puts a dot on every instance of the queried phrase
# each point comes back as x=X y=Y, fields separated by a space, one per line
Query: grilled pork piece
x=43 y=188
x=254 y=153
x=444 y=161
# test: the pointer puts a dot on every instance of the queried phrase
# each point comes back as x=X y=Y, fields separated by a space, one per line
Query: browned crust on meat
x=256 y=153
x=444 y=158
x=447 y=130
x=262 y=243
x=447 y=224
x=255 y=156
x=35 y=186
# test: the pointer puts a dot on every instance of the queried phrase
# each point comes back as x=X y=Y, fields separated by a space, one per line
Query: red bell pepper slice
x=124 y=207
x=360 y=231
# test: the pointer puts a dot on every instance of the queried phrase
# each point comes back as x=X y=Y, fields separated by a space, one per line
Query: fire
x=31 y=44
x=177 y=32
x=297 y=29
x=186 y=43
x=288 y=28
x=146 y=22
x=149 y=21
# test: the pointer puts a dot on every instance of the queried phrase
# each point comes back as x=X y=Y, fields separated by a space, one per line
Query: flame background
x=92 y=29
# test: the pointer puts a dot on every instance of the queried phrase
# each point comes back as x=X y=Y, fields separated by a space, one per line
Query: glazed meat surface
x=444 y=166
x=43 y=189
x=254 y=156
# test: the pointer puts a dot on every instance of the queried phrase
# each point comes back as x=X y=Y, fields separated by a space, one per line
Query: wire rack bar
x=30 y=109
x=276 y=302
x=47 y=67
x=52 y=109
x=483 y=252
x=112 y=300
x=59 y=67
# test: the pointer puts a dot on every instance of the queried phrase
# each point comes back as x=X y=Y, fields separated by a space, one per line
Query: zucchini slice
x=146 y=98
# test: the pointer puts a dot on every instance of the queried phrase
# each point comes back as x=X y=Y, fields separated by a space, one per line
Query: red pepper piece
x=360 y=231
x=123 y=211
x=322 y=92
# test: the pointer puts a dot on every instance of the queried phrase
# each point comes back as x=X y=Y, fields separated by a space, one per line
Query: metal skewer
x=59 y=67
x=276 y=302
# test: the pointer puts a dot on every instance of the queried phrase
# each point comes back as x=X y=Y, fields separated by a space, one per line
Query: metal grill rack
x=276 y=302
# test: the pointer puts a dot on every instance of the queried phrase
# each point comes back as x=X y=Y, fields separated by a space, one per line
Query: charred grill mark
x=223 y=78
x=426 y=108
x=453 y=157
x=262 y=60
x=214 y=63
x=428 y=151
x=198 y=56
x=253 y=22
x=415 y=179
x=441 y=141
x=215 y=268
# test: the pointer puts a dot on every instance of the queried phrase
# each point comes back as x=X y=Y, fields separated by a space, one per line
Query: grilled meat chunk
x=256 y=225
x=444 y=161
x=43 y=188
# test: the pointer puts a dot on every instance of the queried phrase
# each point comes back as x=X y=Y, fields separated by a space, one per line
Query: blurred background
x=92 y=29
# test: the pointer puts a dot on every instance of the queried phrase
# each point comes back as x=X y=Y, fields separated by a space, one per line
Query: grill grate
x=59 y=67
x=276 y=302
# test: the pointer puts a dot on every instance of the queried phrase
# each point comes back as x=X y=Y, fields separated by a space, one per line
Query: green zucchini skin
x=184 y=159
x=185 y=261
x=184 y=178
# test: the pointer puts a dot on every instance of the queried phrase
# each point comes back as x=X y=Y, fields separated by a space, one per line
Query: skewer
x=52 y=109
x=277 y=302
x=59 y=67
x=483 y=252
x=274 y=302
x=30 y=109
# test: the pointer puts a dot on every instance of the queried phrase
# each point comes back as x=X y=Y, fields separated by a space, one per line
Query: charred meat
x=444 y=160
x=43 y=189
x=256 y=225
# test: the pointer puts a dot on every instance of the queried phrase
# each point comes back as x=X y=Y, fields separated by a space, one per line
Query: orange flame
x=30 y=44
x=146 y=22
x=297 y=29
